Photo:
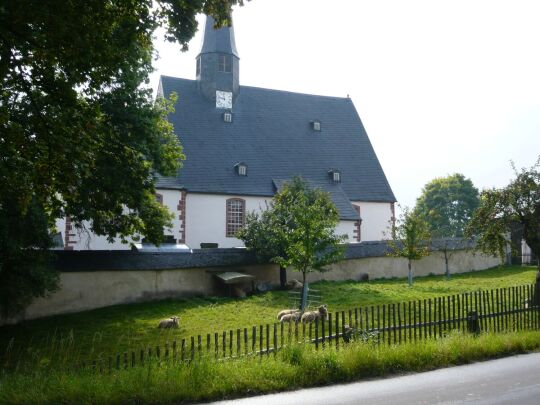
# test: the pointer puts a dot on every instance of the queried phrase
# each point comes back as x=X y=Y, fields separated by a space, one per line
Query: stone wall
x=97 y=279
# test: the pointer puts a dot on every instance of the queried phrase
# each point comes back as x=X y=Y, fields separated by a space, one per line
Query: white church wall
x=83 y=239
x=346 y=228
x=206 y=218
x=376 y=217
x=199 y=218
x=171 y=199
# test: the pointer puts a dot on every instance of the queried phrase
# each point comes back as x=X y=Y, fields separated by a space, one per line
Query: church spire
x=218 y=65
x=218 y=40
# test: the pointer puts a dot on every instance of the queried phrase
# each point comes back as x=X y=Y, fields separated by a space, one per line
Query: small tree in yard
x=448 y=246
x=500 y=209
x=297 y=230
x=410 y=239
x=261 y=236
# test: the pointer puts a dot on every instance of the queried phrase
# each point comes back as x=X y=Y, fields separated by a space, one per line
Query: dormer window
x=241 y=169
x=335 y=175
x=227 y=117
x=316 y=125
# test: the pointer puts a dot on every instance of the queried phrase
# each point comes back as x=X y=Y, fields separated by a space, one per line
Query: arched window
x=236 y=216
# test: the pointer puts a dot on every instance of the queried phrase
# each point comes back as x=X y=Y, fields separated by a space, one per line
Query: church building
x=242 y=143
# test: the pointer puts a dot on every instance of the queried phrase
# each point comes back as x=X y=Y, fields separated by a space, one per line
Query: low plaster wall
x=96 y=289
x=84 y=290
x=389 y=267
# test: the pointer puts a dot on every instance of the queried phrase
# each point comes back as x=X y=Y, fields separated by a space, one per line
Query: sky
x=441 y=87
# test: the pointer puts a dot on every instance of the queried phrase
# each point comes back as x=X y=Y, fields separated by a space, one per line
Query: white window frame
x=235 y=216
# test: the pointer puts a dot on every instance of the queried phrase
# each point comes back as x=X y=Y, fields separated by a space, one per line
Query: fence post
x=537 y=290
x=473 y=324
x=536 y=300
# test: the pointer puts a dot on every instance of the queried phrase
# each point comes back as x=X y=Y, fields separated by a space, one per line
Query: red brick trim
x=357 y=224
x=68 y=234
x=181 y=207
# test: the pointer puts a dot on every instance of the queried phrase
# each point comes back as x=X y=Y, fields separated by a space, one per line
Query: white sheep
x=286 y=312
x=321 y=313
x=171 y=322
x=292 y=317
x=294 y=284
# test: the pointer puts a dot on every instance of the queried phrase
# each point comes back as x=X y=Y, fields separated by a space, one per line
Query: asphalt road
x=509 y=380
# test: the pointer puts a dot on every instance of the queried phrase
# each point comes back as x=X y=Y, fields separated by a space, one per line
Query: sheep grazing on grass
x=294 y=284
x=286 y=312
x=171 y=322
x=311 y=316
x=292 y=317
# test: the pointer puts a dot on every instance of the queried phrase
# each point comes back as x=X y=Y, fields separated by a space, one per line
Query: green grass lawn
x=125 y=327
x=294 y=367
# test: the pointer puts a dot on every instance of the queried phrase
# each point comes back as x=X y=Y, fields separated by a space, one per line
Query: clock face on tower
x=223 y=99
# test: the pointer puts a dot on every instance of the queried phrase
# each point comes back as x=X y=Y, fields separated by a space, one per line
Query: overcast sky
x=441 y=86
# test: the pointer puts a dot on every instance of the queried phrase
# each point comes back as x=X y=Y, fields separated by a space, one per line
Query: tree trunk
x=282 y=276
x=303 y=298
x=410 y=273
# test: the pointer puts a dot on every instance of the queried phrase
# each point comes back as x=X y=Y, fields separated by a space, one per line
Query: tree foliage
x=501 y=209
x=447 y=204
x=298 y=229
x=261 y=235
x=410 y=238
x=80 y=134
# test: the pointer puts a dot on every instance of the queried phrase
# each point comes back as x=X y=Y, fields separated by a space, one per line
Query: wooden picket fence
x=507 y=309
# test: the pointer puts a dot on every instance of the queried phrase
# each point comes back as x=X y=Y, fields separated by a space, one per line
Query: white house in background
x=242 y=143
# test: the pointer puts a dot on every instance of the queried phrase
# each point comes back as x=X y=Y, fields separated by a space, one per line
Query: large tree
x=80 y=134
x=502 y=208
x=447 y=204
x=410 y=239
x=297 y=230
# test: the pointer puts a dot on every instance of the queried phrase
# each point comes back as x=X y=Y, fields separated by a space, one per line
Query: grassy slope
x=118 y=328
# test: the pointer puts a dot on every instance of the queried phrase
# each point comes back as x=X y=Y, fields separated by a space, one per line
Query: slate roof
x=271 y=132
x=218 y=41
x=338 y=196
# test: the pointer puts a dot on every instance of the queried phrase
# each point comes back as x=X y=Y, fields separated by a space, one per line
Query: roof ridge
x=295 y=92
x=268 y=89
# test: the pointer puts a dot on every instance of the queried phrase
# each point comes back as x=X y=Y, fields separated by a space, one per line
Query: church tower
x=218 y=65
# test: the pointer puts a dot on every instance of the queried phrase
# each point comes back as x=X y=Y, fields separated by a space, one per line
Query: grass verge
x=293 y=367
